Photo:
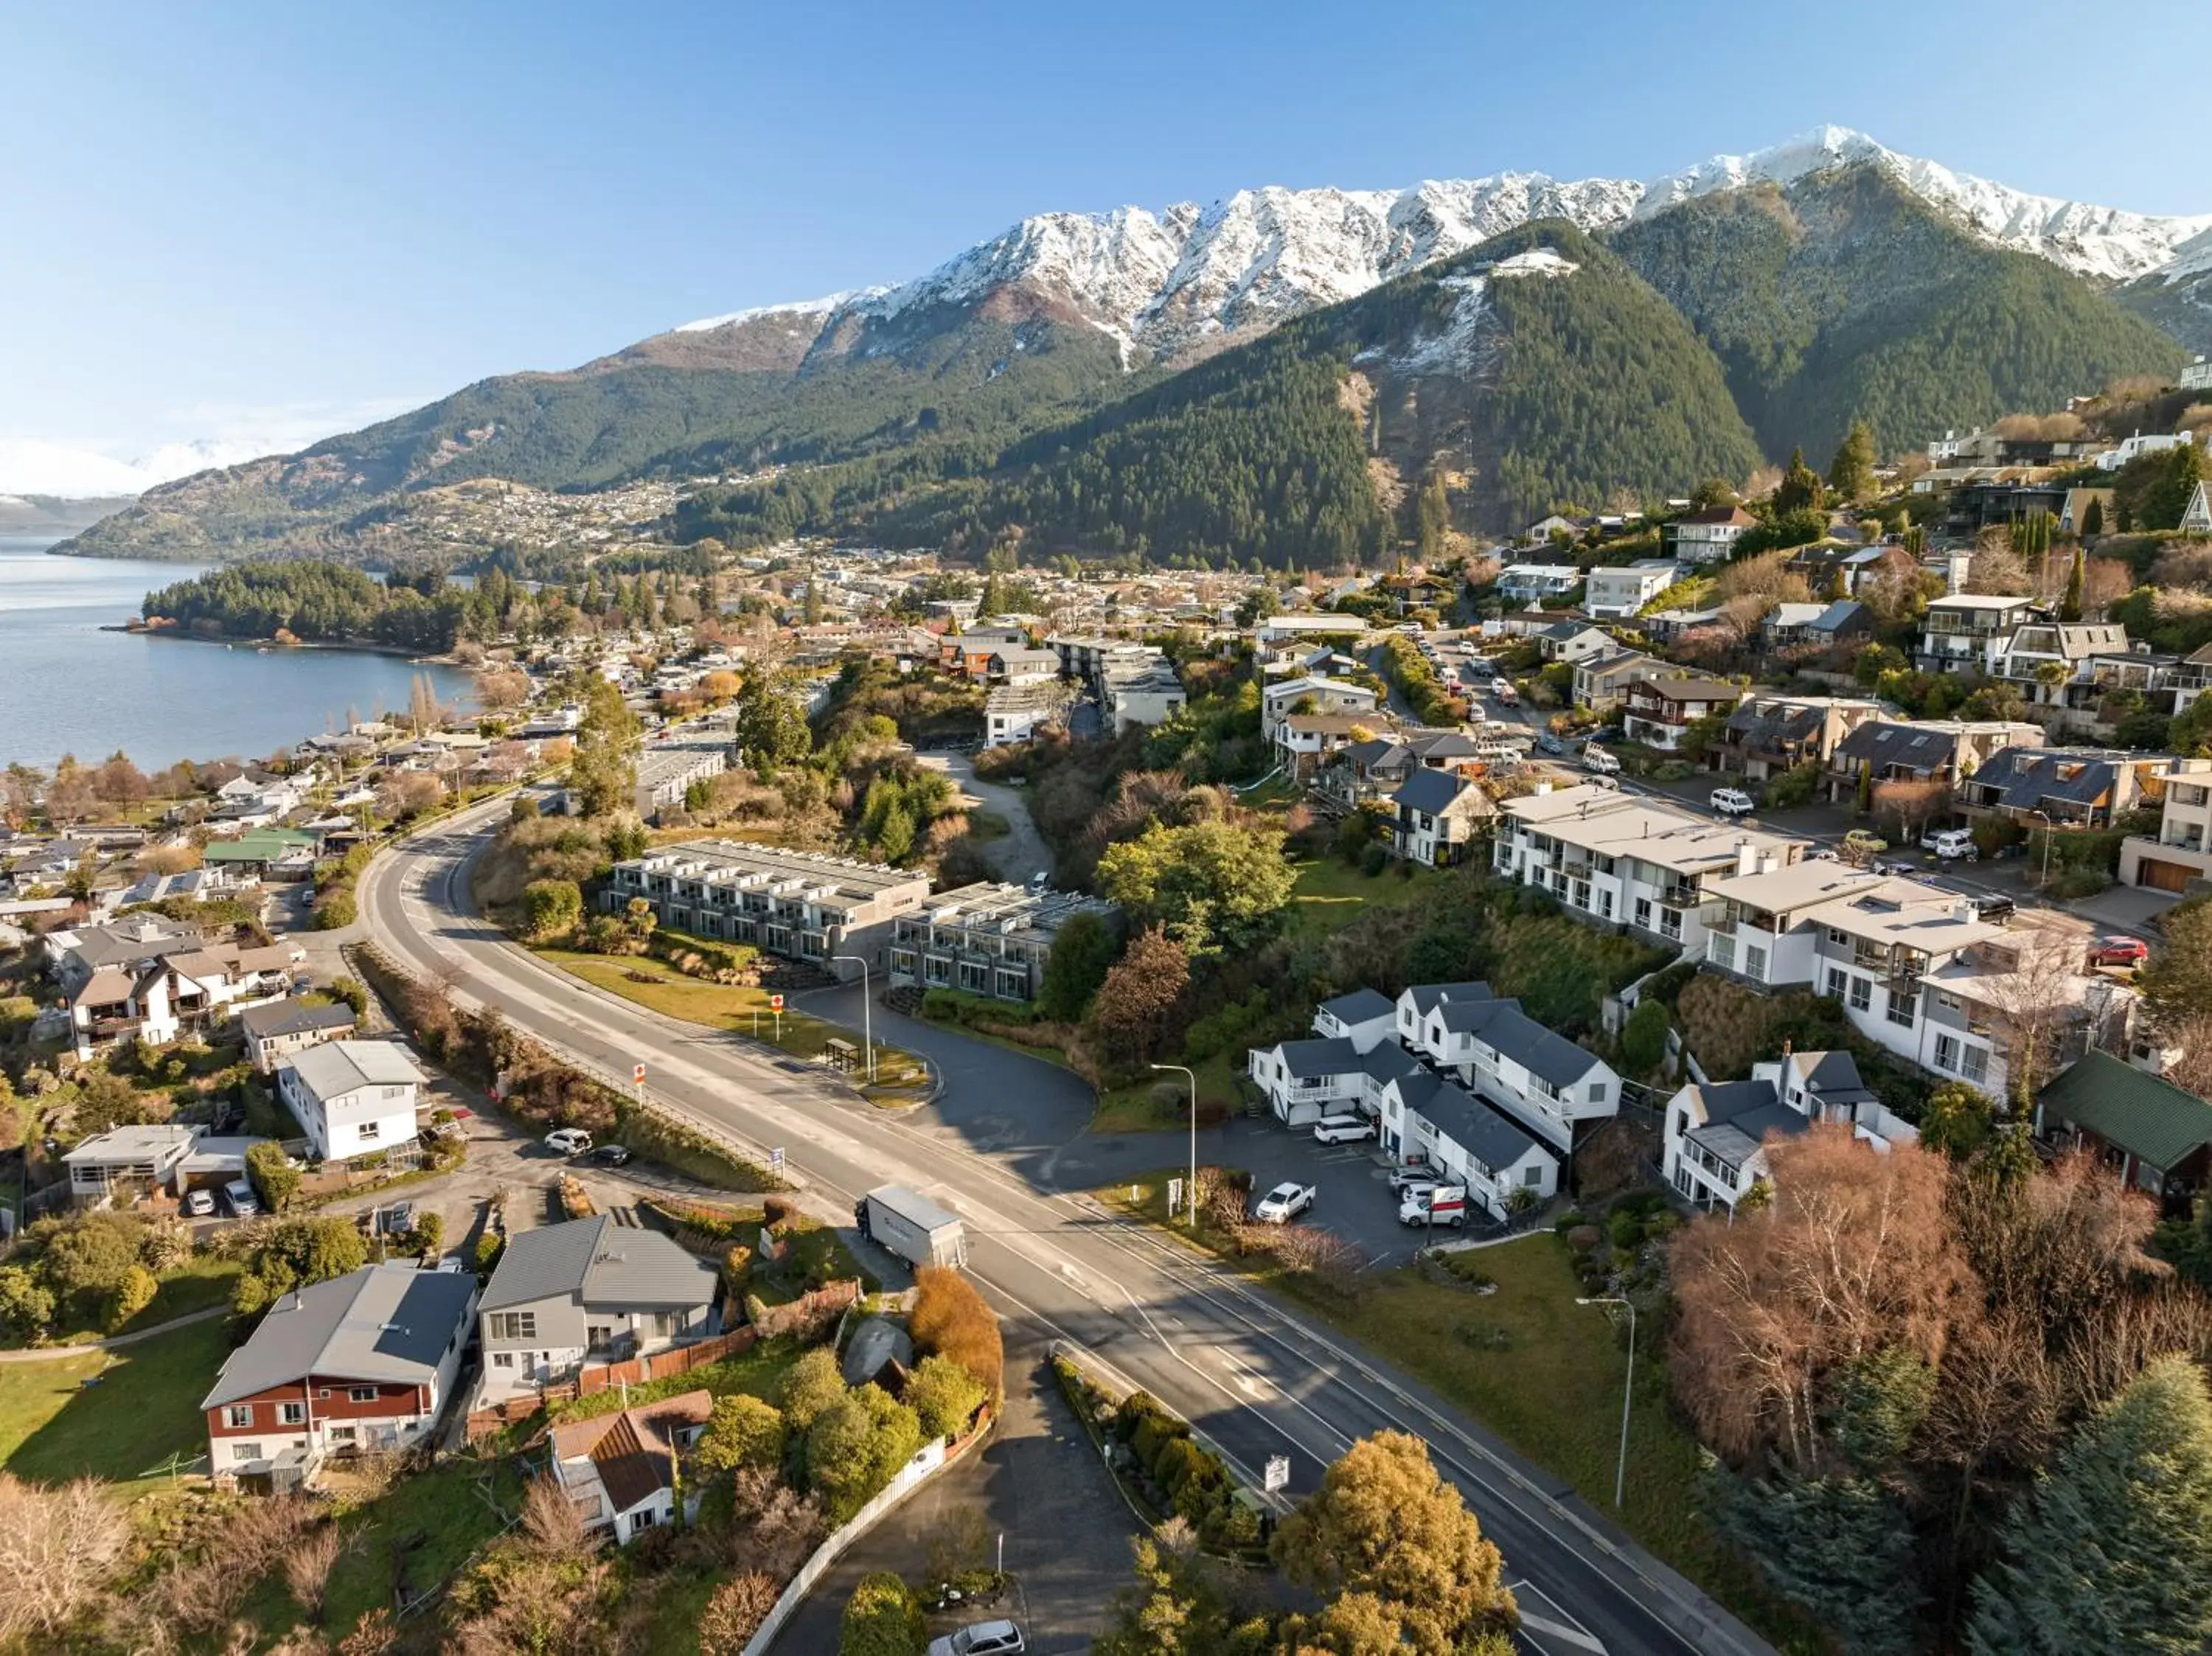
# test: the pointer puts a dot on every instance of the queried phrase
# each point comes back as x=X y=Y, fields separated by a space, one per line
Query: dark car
x=613 y=1155
x=1549 y=744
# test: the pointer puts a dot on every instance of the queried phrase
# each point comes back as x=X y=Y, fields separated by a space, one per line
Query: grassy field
x=1164 y=1101
x=1330 y=894
x=1541 y=1372
x=439 y=1517
x=900 y=1076
x=757 y=1373
x=145 y=1407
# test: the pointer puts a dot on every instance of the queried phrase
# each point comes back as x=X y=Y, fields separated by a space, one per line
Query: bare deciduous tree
x=58 y=1548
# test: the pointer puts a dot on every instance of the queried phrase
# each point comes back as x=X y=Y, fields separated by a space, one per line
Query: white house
x=1573 y=640
x=1617 y=592
x=1546 y=1082
x=1532 y=582
x=352 y=1097
x=2196 y=516
x=1274 y=629
x=1969 y=630
x=621 y=1470
x=1327 y=695
x=1707 y=536
x=1012 y=713
x=1716 y=1132
x=2198 y=376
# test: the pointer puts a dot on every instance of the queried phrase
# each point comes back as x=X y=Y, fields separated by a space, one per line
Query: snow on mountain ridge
x=1159 y=282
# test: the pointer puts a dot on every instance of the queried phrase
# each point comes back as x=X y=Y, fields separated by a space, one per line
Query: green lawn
x=650 y=983
x=144 y=1408
x=1330 y=894
x=1147 y=1106
x=439 y=1517
x=757 y=1373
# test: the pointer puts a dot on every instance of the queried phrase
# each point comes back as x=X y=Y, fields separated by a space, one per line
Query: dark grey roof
x=293 y=1018
x=2021 y=779
x=1372 y=752
x=1839 y=615
x=1726 y=1100
x=1539 y=1051
x=1488 y=1137
x=1430 y=790
x=1360 y=1005
x=1427 y=995
x=1443 y=744
x=1756 y=725
x=1416 y=1084
x=598 y=1264
x=1832 y=1078
x=1879 y=742
x=389 y=1322
x=1334 y=1056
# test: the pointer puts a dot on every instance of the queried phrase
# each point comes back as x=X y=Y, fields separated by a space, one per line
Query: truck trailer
x=911 y=1226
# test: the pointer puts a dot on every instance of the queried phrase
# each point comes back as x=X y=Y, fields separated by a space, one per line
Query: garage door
x=2162 y=876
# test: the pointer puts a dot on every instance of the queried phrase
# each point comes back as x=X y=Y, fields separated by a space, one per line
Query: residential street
x=1258 y=1378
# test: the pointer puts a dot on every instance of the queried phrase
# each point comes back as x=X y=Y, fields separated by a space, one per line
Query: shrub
x=489 y=1247
x=275 y=1180
x=812 y=1385
x=743 y=1431
x=132 y=1295
x=552 y=907
x=950 y=1319
x=856 y=1446
x=1374 y=860
x=882 y=1618
x=1643 y=1037
x=943 y=1396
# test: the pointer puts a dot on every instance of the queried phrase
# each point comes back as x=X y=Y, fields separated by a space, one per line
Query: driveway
x=1036 y=1482
x=1020 y=852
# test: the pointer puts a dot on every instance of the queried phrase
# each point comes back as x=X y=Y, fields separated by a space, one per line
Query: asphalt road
x=1257 y=1378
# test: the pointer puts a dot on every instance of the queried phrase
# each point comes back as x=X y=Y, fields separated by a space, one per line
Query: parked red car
x=2120 y=951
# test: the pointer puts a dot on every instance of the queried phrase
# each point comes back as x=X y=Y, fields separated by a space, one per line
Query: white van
x=1951 y=844
x=1598 y=760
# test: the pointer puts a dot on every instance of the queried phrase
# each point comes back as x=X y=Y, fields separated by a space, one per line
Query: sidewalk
x=114 y=1341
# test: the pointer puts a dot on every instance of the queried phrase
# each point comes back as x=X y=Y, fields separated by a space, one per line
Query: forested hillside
x=1844 y=297
x=315 y=602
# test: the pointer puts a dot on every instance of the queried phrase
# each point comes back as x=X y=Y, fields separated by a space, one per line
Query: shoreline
x=235 y=640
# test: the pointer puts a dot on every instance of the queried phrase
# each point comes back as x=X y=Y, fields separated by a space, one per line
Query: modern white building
x=1014 y=712
x=1707 y=536
x=1545 y=1082
x=352 y=1097
x=1532 y=582
x=1317 y=694
x=1615 y=858
x=1970 y=630
x=2183 y=850
x=1616 y=592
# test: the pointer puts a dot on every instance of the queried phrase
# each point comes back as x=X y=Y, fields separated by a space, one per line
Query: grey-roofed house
x=1469 y=1142
x=588 y=1290
x=1547 y=1084
x=1716 y=1133
x=1940 y=750
x=278 y=1028
x=1767 y=734
x=352 y=1097
x=1365 y=1017
x=365 y=1361
x=2077 y=787
x=1439 y=814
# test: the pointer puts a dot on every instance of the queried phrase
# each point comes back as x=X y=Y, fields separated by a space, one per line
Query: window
x=343 y=1434
x=361 y=1393
x=1644 y=913
x=371 y=1130
x=238 y=1414
x=1904 y=1007
x=1862 y=994
x=1838 y=981
x=514 y=1325
x=1840 y=937
x=1597 y=1092
x=502 y=1359
x=1755 y=962
x=1974 y=1063
x=1013 y=986
x=1724 y=953
x=646 y=1519
x=292 y=1414
x=246 y=1452
x=1946 y=1054
x=1532 y=1176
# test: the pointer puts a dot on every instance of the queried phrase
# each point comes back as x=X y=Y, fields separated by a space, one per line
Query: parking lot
x=1352 y=1185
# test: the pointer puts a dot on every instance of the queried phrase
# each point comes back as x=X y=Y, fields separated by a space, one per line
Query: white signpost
x=1279 y=1473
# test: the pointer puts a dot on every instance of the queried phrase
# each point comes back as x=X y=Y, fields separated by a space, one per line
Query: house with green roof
x=2158 y=1137
x=265 y=854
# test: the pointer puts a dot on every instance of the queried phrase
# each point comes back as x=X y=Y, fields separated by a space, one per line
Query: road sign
x=1279 y=1473
x=1175 y=1196
x=638 y=1075
x=775 y=1003
x=775 y=1160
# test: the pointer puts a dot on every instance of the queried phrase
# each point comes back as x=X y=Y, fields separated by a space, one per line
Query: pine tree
x=2114 y=1552
x=2069 y=607
x=1850 y=474
x=2093 y=520
x=1432 y=519
x=1840 y=1546
x=1800 y=489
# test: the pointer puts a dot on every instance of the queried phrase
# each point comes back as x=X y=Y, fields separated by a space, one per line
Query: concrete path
x=1020 y=852
x=114 y=1341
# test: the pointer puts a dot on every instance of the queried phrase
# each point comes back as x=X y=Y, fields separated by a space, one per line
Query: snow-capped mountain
x=1161 y=282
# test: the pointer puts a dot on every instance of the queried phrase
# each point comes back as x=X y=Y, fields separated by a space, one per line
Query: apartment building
x=1969 y=630
x=667 y=770
x=1532 y=582
x=1716 y=1133
x=986 y=939
x=1602 y=682
x=1617 y=860
x=796 y=903
x=1313 y=695
x=2182 y=851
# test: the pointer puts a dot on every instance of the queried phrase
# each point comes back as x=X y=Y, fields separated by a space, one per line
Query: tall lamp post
x=867 y=1021
x=1620 y=1471
x=1190 y=1196
x=2049 y=830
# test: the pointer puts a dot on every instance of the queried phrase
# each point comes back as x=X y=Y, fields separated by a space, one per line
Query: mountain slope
x=1843 y=295
x=1832 y=276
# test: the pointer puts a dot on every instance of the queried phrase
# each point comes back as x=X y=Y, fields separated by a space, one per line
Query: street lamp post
x=2050 y=829
x=1620 y=1471
x=867 y=1021
x=1190 y=1196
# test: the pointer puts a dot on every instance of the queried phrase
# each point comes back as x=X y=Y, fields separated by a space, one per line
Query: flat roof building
x=987 y=940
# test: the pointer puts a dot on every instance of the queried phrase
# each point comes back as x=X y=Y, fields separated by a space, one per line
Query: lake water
x=67 y=686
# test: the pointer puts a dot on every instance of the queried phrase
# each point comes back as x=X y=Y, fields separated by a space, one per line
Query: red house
x=364 y=1361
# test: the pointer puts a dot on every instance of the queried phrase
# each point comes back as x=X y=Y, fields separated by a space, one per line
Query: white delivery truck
x=910 y=1225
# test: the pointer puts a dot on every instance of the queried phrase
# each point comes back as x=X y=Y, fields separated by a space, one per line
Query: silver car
x=983 y=1639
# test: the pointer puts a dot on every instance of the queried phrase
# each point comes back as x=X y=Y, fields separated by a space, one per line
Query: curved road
x=1258 y=1379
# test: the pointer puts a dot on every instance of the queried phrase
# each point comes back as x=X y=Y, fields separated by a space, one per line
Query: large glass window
x=1862 y=995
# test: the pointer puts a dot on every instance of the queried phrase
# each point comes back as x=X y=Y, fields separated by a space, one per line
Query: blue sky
x=256 y=223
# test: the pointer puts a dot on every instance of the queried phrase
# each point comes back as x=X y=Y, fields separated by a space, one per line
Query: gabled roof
x=2022 y=777
x=1431 y=791
x=1426 y=997
x=2146 y=1115
x=1476 y=1127
x=1840 y=614
x=1332 y=1055
x=1360 y=1005
x=598 y=1264
x=635 y=1450
x=390 y=1323
x=293 y=1018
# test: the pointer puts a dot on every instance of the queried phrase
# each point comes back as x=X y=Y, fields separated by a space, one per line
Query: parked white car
x=569 y=1141
x=983 y=1639
x=1342 y=1129
x=199 y=1203
x=1732 y=801
x=1283 y=1204
x=1951 y=844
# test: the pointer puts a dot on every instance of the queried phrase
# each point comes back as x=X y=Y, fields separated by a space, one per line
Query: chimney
x=1746 y=857
x=1766 y=863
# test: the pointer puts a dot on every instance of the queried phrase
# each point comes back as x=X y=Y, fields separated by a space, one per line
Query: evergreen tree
x=2114 y=1552
x=1800 y=489
x=1850 y=474
x=1840 y=1546
x=2069 y=607
x=2093 y=520
x=1432 y=519
x=2167 y=497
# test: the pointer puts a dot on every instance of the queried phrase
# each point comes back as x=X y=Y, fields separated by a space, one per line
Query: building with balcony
x=1969 y=630
x=1707 y=536
x=2049 y=662
x=1552 y=1088
x=2070 y=787
x=1602 y=682
x=1314 y=694
x=1532 y=582
x=2181 y=852
x=1929 y=751
x=1440 y=814
x=794 y=903
x=1616 y=860
x=985 y=939
x=1617 y=592
x=667 y=770
x=1767 y=735
x=1659 y=711
x=1014 y=712
x=1716 y=1133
